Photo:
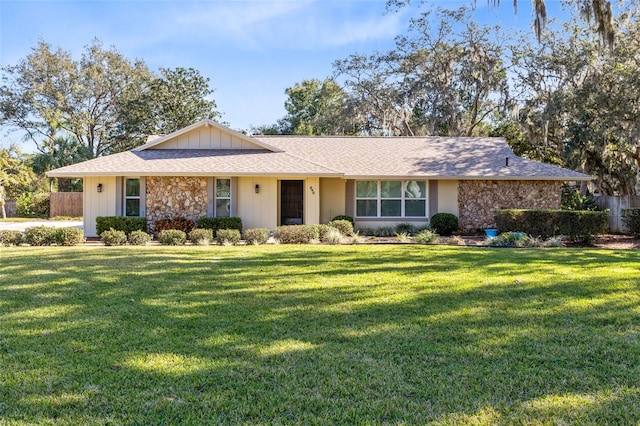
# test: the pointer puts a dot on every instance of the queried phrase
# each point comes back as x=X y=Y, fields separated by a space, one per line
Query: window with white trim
x=223 y=198
x=391 y=198
x=132 y=197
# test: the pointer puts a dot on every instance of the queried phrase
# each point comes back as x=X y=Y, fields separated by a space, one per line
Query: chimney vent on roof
x=506 y=161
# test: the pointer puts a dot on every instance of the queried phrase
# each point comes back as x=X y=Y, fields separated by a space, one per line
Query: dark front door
x=291 y=202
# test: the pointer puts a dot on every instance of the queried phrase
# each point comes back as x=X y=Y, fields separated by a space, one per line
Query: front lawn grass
x=319 y=335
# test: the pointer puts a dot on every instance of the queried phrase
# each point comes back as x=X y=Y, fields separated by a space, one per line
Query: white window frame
x=403 y=199
x=138 y=197
x=216 y=197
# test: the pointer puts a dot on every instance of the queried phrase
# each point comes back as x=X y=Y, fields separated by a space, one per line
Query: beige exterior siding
x=98 y=204
x=207 y=138
x=258 y=210
x=447 y=197
x=332 y=198
x=312 y=201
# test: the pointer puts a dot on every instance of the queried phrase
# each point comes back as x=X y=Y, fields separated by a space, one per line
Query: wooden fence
x=10 y=208
x=615 y=204
x=65 y=204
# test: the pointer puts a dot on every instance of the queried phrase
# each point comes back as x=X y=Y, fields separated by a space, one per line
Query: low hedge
x=631 y=219
x=217 y=223
x=172 y=237
x=120 y=223
x=578 y=225
x=295 y=234
x=11 y=238
x=228 y=236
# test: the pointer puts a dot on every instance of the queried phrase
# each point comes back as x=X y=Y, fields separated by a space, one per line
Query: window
x=391 y=198
x=223 y=198
x=132 y=197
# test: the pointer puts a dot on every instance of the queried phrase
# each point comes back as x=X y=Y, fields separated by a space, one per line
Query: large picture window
x=391 y=198
x=132 y=197
x=223 y=198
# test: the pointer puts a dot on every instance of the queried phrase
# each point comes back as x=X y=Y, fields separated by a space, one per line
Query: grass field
x=319 y=335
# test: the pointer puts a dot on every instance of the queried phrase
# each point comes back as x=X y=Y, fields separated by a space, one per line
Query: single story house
x=207 y=169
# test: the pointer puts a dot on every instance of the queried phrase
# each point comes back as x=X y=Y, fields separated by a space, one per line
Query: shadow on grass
x=319 y=335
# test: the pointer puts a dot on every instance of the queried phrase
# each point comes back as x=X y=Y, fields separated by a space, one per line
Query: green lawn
x=400 y=334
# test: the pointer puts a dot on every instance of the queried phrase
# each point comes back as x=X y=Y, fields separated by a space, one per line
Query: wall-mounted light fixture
x=313 y=191
x=99 y=187
x=257 y=188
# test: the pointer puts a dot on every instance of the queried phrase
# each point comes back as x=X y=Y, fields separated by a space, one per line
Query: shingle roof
x=351 y=157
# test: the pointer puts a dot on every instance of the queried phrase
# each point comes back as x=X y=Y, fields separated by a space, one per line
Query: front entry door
x=291 y=202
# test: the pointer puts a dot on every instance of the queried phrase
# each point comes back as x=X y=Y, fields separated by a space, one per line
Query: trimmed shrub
x=631 y=219
x=580 y=226
x=139 y=238
x=113 y=237
x=405 y=228
x=216 y=223
x=444 y=223
x=344 y=226
x=180 y=223
x=125 y=224
x=33 y=204
x=172 y=237
x=256 y=236
x=10 y=238
x=201 y=236
x=321 y=230
x=334 y=236
x=40 y=235
x=295 y=234
x=69 y=236
x=344 y=217
x=426 y=236
x=227 y=236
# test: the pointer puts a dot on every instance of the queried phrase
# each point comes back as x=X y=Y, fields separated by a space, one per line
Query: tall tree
x=60 y=152
x=16 y=176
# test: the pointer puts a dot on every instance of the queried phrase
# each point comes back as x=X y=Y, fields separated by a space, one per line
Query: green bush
x=113 y=237
x=572 y=199
x=228 y=236
x=216 y=223
x=444 y=223
x=321 y=230
x=256 y=235
x=344 y=226
x=33 y=204
x=138 y=238
x=508 y=239
x=344 y=217
x=11 y=238
x=631 y=219
x=295 y=234
x=120 y=223
x=426 y=236
x=405 y=228
x=172 y=237
x=69 y=236
x=180 y=223
x=581 y=226
x=40 y=235
x=384 y=231
x=201 y=236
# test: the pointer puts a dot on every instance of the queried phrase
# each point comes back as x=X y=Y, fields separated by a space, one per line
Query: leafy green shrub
x=405 y=228
x=201 y=236
x=40 y=235
x=366 y=231
x=631 y=220
x=10 y=238
x=344 y=226
x=426 y=236
x=321 y=230
x=295 y=234
x=344 y=217
x=581 y=226
x=227 y=236
x=334 y=236
x=508 y=239
x=33 y=204
x=69 y=236
x=139 y=238
x=444 y=223
x=256 y=235
x=216 y=223
x=384 y=231
x=120 y=223
x=172 y=237
x=113 y=237
x=572 y=199
x=180 y=223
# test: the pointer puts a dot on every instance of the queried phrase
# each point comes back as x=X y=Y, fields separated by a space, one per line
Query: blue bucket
x=491 y=233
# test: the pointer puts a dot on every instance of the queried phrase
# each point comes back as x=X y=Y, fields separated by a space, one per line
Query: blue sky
x=251 y=50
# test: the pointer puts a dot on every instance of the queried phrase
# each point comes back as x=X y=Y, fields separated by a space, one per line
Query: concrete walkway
x=21 y=226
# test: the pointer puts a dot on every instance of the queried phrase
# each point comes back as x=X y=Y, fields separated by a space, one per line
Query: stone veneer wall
x=479 y=199
x=168 y=197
